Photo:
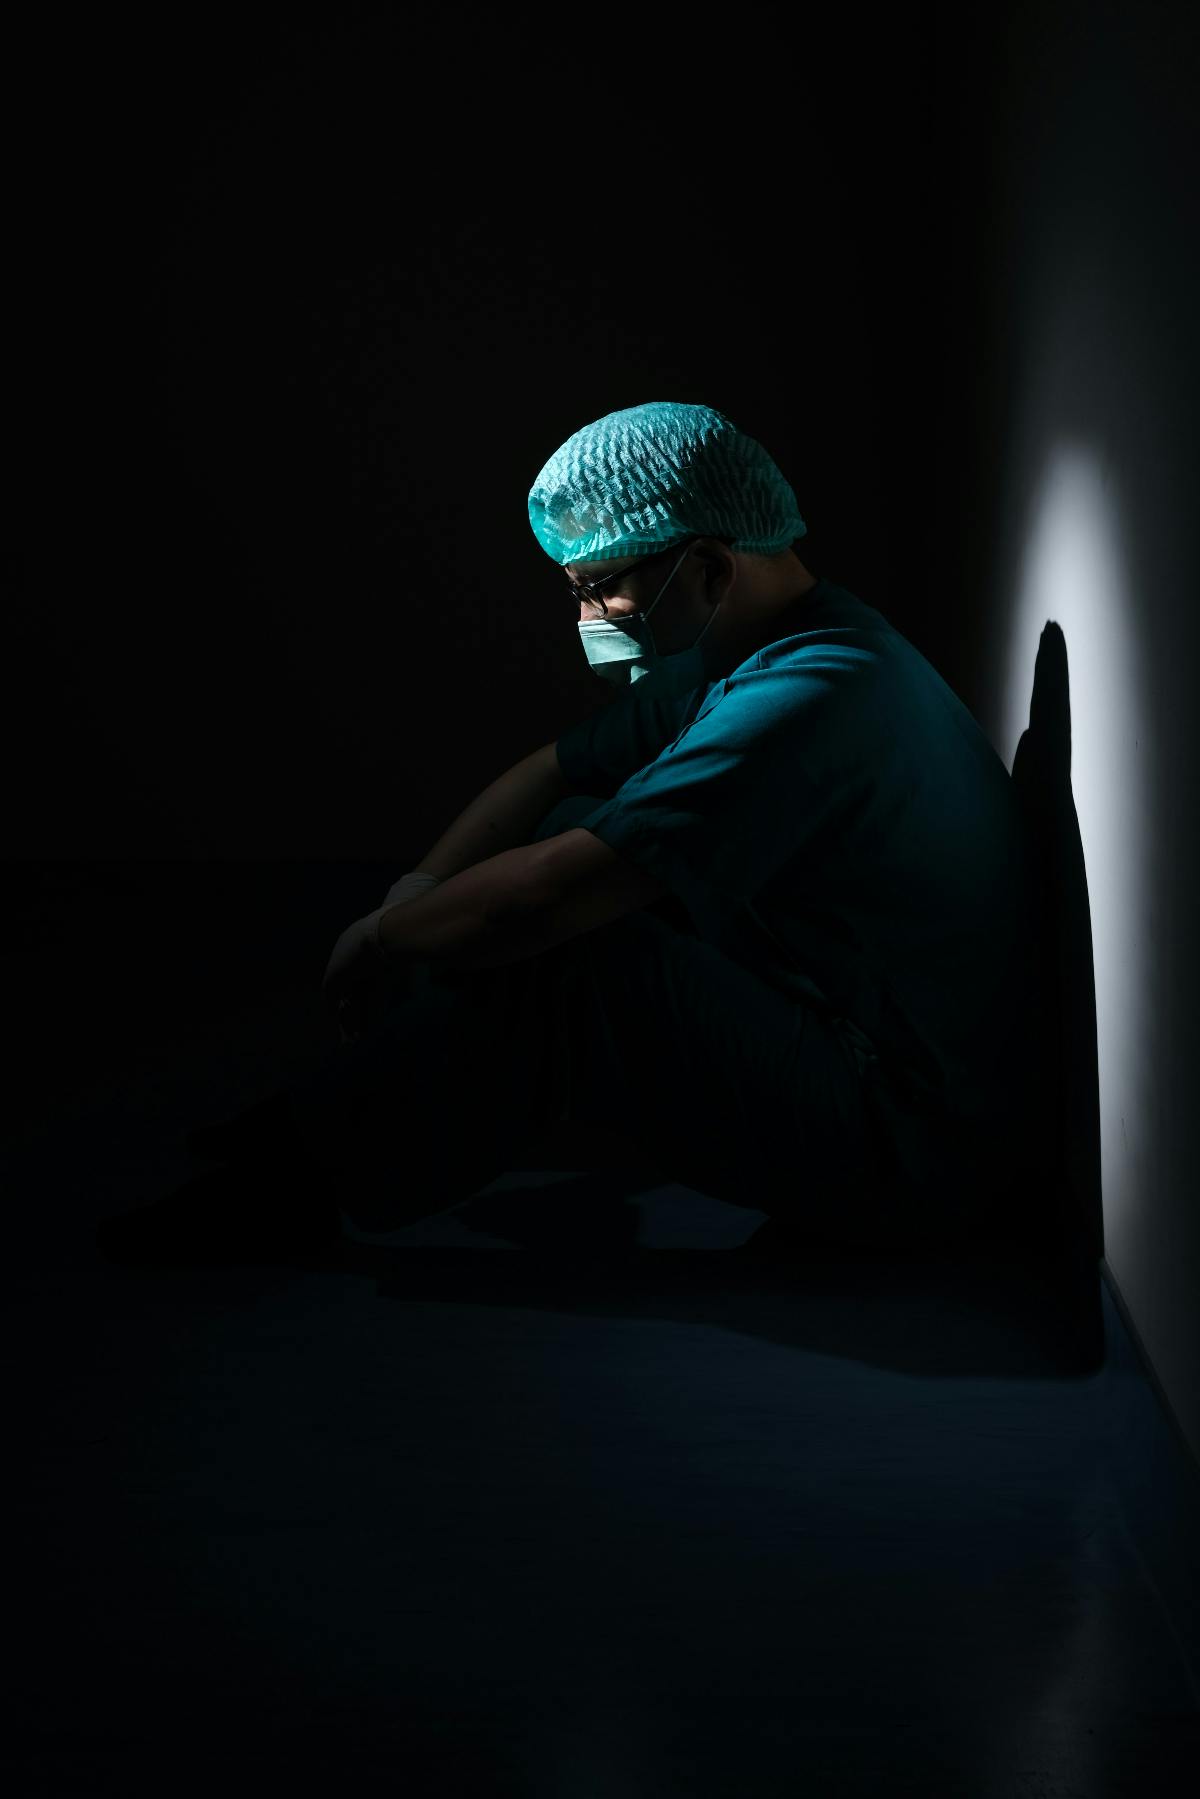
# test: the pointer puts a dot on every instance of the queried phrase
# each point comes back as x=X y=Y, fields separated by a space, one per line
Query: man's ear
x=719 y=563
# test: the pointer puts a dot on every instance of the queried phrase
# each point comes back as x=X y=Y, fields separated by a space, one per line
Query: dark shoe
x=225 y=1218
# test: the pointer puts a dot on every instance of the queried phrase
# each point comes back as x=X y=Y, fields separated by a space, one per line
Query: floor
x=535 y=1498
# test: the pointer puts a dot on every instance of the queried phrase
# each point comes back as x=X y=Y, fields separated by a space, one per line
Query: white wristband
x=410 y=887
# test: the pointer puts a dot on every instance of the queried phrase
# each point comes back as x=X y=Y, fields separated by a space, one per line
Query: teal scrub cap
x=649 y=476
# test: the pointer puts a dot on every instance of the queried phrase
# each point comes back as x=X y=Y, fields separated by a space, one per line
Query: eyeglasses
x=587 y=593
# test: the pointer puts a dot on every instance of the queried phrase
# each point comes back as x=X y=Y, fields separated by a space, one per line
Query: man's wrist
x=411 y=886
x=390 y=939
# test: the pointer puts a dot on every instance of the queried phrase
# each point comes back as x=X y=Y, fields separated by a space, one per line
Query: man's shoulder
x=836 y=635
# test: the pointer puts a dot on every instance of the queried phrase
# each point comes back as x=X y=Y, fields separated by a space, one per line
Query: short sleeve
x=766 y=767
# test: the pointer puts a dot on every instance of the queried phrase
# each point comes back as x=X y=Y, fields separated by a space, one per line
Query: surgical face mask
x=623 y=651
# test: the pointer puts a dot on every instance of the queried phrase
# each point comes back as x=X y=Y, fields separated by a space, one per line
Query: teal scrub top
x=831 y=816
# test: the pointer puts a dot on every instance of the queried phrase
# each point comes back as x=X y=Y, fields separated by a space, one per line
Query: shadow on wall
x=1042 y=777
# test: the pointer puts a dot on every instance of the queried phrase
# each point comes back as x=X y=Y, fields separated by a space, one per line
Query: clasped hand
x=362 y=980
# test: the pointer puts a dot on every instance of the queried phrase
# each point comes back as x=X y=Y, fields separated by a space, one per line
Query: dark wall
x=312 y=308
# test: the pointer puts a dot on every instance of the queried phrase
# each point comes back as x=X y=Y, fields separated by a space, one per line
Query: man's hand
x=361 y=979
x=505 y=909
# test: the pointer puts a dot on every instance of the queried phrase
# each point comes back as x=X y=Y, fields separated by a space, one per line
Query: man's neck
x=753 y=633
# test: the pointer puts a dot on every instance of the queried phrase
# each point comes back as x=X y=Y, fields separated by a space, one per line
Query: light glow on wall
x=1072 y=569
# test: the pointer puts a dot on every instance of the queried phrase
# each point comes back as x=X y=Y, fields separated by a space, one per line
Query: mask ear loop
x=658 y=596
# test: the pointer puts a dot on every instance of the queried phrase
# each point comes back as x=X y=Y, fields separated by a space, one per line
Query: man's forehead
x=596 y=571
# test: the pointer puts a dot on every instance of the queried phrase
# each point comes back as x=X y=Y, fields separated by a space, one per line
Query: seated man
x=764 y=923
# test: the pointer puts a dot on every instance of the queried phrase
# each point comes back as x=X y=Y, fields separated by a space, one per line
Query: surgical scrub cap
x=649 y=476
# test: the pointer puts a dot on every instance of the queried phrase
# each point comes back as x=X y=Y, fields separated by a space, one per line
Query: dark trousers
x=636 y=1041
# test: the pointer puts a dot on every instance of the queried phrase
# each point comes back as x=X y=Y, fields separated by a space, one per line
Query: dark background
x=311 y=307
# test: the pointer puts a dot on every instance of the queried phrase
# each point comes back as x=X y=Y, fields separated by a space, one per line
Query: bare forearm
x=495 y=912
x=503 y=817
